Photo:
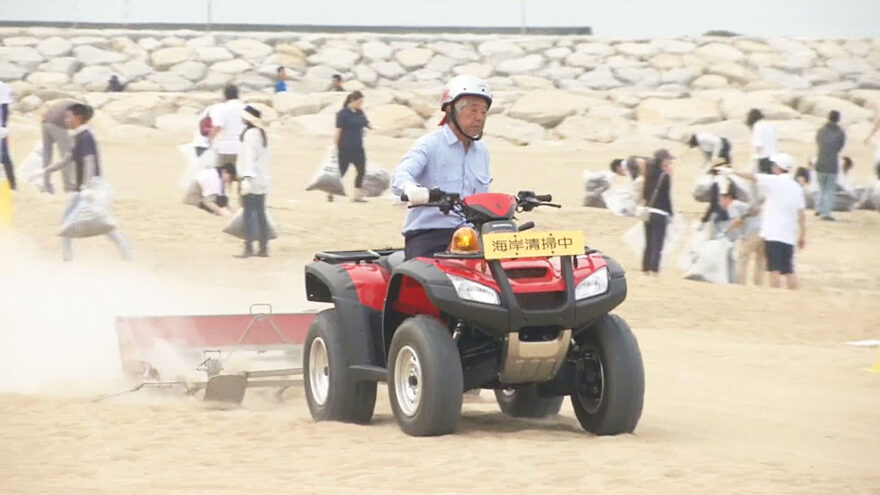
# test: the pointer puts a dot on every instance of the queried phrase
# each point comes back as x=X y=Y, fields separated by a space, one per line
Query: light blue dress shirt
x=438 y=160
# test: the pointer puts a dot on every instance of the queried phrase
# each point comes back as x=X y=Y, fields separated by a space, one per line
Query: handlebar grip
x=544 y=197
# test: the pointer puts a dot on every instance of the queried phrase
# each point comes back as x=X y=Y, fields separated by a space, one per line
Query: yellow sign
x=533 y=244
x=5 y=203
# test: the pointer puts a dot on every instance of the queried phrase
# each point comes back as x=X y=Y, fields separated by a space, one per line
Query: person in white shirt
x=227 y=127
x=5 y=157
x=783 y=223
x=716 y=149
x=763 y=140
x=253 y=169
x=202 y=135
x=744 y=224
x=208 y=190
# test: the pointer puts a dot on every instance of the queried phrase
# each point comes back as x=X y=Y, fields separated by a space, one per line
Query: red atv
x=524 y=313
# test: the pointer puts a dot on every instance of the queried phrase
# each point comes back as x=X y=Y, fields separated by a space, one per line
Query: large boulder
x=93 y=78
x=190 y=70
x=336 y=58
x=440 y=63
x=366 y=74
x=164 y=58
x=54 y=47
x=821 y=106
x=211 y=54
x=710 y=81
x=214 y=81
x=133 y=69
x=732 y=71
x=20 y=41
x=170 y=81
x=459 y=52
x=10 y=71
x=595 y=49
x=719 y=52
x=480 y=70
x=23 y=56
x=637 y=49
x=735 y=106
x=850 y=65
x=685 y=111
x=600 y=78
x=532 y=82
x=413 y=58
x=89 y=55
x=784 y=79
x=514 y=130
x=67 y=65
x=524 y=65
x=149 y=43
x=376 y=50
x=673 y=46
x=497 y=50
x=314 y=125
x=549 y=107
x=681 y=76
x=583 y=60
x=249 y=48
x=393 y=117
x=600 y=130
x=296 y=104
x=635 y=75
x=234 y=66
x=558 y=53
x=140 y=109
x=48 y=79
x=389 y=70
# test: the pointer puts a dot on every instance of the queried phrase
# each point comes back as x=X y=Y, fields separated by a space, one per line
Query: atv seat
x=391 y=261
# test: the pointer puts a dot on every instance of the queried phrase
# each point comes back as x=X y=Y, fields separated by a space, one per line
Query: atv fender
x=333 y=283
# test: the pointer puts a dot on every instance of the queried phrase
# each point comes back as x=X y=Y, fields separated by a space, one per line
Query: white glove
x=416 y=194
x=3 y=132
x=725 y=171
x=246 y=186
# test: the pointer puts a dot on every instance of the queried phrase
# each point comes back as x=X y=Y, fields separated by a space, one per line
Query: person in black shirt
x=657 y=198
x=85 y=159
x=350 y=124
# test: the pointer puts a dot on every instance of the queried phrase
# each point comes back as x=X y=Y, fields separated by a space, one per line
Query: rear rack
x=356 y=256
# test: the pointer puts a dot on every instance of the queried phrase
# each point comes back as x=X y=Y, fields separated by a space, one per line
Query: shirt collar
x=80 y=129
x=448 y=135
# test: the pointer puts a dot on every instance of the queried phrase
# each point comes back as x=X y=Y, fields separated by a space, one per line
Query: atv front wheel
x=527 y=403
x=330 y=391
x=609 y=379
x=425 y=378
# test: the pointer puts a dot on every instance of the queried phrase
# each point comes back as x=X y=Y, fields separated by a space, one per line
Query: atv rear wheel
x=331 y=392
x=425 y=378
x=527 y=403
x=610 y=378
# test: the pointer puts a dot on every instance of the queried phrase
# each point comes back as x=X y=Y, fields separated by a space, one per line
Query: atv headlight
x=595 y=284
x=472 y=291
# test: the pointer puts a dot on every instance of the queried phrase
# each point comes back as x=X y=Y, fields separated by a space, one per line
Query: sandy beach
x=748 y=389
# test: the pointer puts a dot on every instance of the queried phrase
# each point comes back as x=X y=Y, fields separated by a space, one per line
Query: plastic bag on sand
x=634 y=237
x=235 y=227
x=89 y=212
x=707 y=260
x=621 y=200
x=595 y=184
x=31 y=169
x=327 y=177
x=376 y=180
x=703 y=187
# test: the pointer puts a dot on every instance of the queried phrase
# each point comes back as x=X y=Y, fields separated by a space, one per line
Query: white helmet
x=465 y=84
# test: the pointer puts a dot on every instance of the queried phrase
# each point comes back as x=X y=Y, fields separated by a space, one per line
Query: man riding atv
x=451 y=159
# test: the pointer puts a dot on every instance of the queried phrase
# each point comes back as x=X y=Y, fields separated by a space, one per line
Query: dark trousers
x=655 y=234
x=256 y=227
x=353 y=156
x=200 y=150
x=7 y=162
x=426 y=242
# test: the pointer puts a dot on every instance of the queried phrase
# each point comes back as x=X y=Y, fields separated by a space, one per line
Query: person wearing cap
x=350 y=124
x=830 y=139
x=253 y=171
x=452 y=159
x=783 y=224
x=280 y=79
x=657 y=198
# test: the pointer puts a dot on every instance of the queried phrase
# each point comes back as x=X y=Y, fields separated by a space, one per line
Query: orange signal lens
x=464 y=240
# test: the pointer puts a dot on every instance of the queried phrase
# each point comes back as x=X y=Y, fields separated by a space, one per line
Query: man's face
x=71 y=120
x=472 y=117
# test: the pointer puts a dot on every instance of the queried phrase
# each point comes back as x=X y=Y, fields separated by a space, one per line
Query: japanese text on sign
x=531 y=244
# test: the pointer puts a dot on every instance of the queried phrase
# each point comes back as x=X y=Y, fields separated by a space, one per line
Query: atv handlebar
x=434 y=195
